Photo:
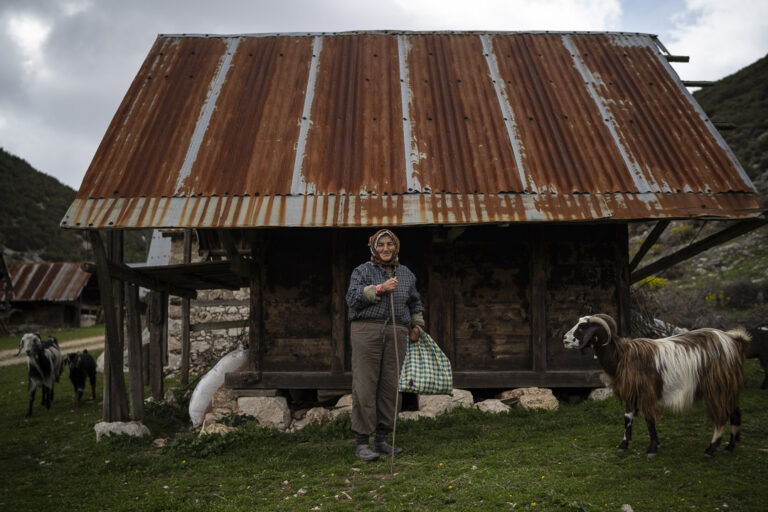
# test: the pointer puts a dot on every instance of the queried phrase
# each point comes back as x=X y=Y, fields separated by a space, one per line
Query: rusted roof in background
x=55 y=282
x=361 y=129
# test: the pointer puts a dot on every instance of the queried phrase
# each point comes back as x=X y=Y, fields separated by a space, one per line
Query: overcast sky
x=65 y=65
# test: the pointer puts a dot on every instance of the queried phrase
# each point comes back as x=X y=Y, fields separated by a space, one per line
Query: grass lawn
x=466 y=460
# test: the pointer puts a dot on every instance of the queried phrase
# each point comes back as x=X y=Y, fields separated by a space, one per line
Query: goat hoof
x=650 y=456
x=620 y=449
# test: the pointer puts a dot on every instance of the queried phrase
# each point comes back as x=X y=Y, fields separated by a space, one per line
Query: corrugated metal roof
x=361 y=129
x=56 y=282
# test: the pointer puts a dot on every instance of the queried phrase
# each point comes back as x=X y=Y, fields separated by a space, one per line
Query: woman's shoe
x=364 y=452
x=385 y=448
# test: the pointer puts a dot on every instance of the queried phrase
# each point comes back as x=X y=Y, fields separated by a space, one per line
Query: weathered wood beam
x=166 y=302
x=441 y=315
x=651 y=239
x=217 y=326
x=215 y=283
x=115 y=404
x=185 y=313
x=130 y=275
x=136 y=373
x=256 y=309
x=237 y=263
x=514 y=379
x=461 y=379
x=156 y=322
x=677 y=58
x=338 y=310
x=621 y=260
x=539 y=272
x=698 y=83
x=692 y=250
x=723 y=125
x=115 y=255
x=220 y=302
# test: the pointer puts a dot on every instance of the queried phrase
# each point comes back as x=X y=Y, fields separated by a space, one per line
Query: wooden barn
x=509 y=164
x=51 y=295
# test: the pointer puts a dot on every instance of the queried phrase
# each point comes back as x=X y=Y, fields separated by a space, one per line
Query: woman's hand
x=415 y=333
x=389 y=285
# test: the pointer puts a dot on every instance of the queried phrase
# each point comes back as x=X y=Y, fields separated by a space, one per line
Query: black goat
x=44 y=364
x=758 y=348
x=82 y=367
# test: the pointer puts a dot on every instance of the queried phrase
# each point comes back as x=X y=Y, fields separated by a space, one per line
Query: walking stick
x=397 y=382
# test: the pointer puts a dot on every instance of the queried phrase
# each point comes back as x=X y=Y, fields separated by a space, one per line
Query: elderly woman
x=375 y=368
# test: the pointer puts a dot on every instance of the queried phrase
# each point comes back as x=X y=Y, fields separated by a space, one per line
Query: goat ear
x=592 y=333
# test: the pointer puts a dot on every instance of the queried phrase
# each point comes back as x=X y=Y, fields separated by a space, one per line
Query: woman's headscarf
x=375 y=258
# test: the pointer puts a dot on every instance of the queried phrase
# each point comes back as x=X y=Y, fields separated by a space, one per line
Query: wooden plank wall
x=584 y=268
x=475 y=283
x=492 y=322
x=297 y=300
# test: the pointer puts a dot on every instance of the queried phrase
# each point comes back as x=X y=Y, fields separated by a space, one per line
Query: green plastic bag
x=426 y=369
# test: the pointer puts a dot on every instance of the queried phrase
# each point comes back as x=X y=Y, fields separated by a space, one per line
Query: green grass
x=12 y=341
x=466 y=460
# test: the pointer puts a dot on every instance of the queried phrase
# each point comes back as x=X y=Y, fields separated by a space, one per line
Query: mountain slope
x=741 y=99
x=728 y=284
x=31 y=206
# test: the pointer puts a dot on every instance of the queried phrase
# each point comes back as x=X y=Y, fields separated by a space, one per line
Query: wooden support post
x=133 y=326
x=156 y=322
x=164 y=310
x=145 y=357
x=621 y=257
x=338 y=310
x=115 y=405
x=695 y=248
x=539 y=270
x=255 y=313
x=115 y=255
x=185 y=342
x=656 y=232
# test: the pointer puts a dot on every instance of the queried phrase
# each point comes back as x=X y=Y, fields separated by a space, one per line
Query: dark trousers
x=375 y=374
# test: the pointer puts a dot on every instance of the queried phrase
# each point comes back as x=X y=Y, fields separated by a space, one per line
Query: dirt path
x=8 y=357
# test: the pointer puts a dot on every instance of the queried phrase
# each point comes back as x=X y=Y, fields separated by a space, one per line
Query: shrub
x=743 y=293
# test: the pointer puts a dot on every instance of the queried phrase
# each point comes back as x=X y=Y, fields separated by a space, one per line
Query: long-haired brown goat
x=669 y=372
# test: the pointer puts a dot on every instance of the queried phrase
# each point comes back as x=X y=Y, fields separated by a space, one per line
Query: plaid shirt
x=407 y=299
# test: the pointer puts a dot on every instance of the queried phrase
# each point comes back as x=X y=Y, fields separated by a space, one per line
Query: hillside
x=726 y=285
x=31 y=206
x=741 y=100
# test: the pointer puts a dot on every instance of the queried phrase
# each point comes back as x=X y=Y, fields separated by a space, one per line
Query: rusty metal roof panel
x=55 y=282
x=408 y=209
x=248 y=146
x=354 y=141
x=349 y=129
x=458 y=129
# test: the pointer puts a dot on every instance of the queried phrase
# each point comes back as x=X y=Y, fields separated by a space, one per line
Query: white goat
x=44 y=364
